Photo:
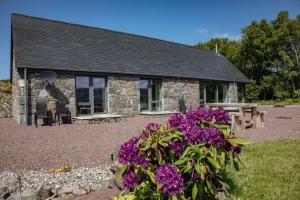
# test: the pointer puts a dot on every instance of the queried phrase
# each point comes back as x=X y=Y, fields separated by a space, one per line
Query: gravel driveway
x=23 y=148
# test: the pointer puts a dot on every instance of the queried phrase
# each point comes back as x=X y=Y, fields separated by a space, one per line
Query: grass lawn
x=272 y=171
x=280 y=102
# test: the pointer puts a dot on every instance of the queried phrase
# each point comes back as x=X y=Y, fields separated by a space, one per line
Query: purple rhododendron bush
x=185 y=158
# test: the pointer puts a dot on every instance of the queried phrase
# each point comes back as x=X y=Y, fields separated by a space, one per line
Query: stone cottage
x=101 y=71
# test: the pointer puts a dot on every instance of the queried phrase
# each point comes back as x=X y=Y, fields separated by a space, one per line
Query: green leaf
x=201 y=187
x=242 y=141
x=194 y=191
x=236 y=165
x=214 y=163
x=159 y=156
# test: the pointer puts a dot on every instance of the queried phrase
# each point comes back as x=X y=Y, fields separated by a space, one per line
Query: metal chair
x=61 y=112
x=41 y=111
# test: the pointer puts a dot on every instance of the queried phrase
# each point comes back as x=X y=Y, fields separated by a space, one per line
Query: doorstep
x=152 y=113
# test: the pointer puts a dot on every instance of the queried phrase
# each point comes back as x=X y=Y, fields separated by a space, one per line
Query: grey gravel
x=90 y=178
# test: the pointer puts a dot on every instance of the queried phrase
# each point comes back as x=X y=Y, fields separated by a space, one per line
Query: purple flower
x=172 y=183
x=177 y=147
x=221 y=116
x=152 y=127
x=176 y=120
x=213 y=136
x=208 y=176
x=129 y=153
x=237 y=149
x=200 y=114
x=130 y=179
x=210 y=135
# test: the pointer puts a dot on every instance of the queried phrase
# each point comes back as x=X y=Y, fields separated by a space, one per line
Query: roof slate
x=47 y=44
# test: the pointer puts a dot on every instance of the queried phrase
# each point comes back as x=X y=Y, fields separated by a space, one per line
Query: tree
x=268 y=53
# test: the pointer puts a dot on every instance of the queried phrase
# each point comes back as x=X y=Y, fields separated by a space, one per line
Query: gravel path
x=280 y=123
x=31 y=148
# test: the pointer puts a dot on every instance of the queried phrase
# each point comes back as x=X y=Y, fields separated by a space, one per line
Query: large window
x=241 y=92
x=150 y=98
x=90 y=95
x=213 y=93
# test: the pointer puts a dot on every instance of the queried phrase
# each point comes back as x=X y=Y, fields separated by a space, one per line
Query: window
x=211 y=89
x=90 y=95
x=241 y=92
x=222 y=92
x=150 y=98
x=202 y=93
x=213 y=93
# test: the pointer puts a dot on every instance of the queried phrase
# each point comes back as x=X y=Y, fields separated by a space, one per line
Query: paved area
x=23 y=148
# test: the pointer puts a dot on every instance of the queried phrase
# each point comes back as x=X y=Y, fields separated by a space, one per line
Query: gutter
x=25 y=97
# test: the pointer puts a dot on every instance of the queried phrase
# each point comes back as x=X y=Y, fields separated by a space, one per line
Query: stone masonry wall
x=123 y=95
x=63 y=91
x=173 y=90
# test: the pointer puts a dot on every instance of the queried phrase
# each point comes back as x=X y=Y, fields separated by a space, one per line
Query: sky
x=182 y=21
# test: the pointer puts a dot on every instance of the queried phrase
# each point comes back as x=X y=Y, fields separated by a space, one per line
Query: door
x=150 y=99
x=90 y=95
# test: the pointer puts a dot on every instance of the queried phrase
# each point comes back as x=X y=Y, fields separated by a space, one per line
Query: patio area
x=24 y=148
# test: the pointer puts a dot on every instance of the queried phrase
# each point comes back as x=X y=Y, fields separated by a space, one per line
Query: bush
x=296 y=94
x=185 y=158
x=252 y=92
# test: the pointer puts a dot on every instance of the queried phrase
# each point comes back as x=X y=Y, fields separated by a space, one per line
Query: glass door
x=150 y=99
x=90 y=95
x=99 y=95
x=83 y=103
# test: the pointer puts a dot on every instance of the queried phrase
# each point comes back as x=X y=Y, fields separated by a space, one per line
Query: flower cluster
x=177 y=147
x=176 y=120
x=129 y=153
x=161 y=161
x=221 y=116
x=130 y=179
x=172 y=183
x=152 y=127
x=210 y=135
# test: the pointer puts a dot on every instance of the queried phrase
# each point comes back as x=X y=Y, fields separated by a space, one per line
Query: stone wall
x=232 y=93
x=5 y=104
x=173 y=90
x=63 y=91
x=123 y=95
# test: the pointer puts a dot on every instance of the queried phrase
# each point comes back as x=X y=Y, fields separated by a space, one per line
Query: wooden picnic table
x=242 y=108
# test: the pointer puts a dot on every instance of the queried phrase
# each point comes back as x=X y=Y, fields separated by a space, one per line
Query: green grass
x=290 y=101
x=271 y=171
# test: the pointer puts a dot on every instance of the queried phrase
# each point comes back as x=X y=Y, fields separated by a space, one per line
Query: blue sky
x=187 y=22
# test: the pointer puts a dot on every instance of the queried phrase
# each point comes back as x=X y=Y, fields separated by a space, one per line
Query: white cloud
x=202 y=31
x=228 y=35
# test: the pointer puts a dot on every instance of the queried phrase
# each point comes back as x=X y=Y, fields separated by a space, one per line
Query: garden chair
x=61 y=112
x=41 y=111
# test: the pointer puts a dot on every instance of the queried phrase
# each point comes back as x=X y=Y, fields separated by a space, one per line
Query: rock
x=4 y=192
x=40 y=194
x=65 y=190
x=44 y=194
x=79 y=191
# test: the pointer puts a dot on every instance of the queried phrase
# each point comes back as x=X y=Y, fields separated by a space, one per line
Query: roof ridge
x=104 y=29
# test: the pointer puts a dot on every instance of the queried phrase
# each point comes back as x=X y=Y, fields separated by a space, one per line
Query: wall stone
x=5 y=104
x=173 y=90
x=232 y=93
x=63 y=91
x=123 y=95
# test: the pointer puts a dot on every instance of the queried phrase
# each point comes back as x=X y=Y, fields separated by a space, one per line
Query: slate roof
x=47 y=44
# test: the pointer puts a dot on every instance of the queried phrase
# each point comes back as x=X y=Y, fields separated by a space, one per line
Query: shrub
x=185 y=158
